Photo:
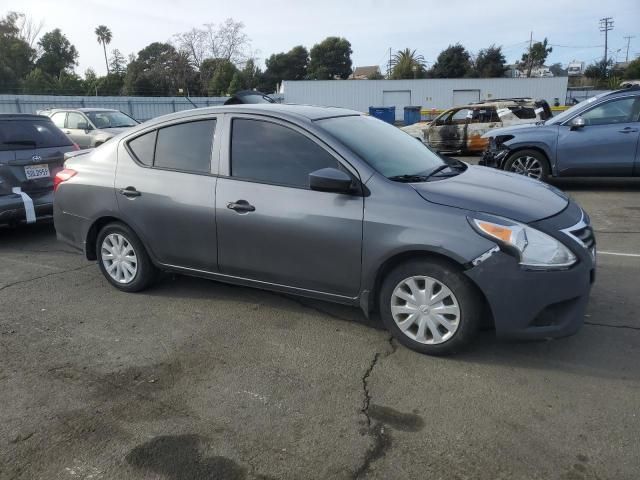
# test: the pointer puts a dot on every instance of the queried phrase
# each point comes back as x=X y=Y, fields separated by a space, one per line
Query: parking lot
x=194 y=379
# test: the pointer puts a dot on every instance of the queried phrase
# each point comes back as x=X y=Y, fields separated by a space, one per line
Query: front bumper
x=494 y=157
x=12 y=207
x=534 y=304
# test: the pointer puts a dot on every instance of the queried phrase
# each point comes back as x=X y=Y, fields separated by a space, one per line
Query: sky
x=372 y=26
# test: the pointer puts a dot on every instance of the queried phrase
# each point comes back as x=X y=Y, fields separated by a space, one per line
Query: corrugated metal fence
x=140 y=108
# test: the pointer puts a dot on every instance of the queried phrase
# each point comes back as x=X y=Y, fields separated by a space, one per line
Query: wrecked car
x=460 y=129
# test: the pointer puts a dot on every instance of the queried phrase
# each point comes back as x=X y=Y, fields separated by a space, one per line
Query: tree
x=58 y=54
x=69 y=83
x=226 y=41
x=452 y=62
x=407 y=64
x=237 y=83
x=103 y=35
x=490 y=62
x=330 y=59
x=28 y=28
x=534 y=57
x=557 y=70
x=159 y=69
x=117 y=63
x=632 y=72
x=251 y=74
x=598 y=70
x=291 y=65
x=16 y=56
x=219 y=84
x=39 y=82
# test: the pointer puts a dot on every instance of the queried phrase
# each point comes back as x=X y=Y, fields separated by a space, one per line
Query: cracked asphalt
x=194 y=379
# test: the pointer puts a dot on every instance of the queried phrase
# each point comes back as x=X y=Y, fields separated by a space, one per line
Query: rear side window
x=58 y=119
x=186 y=146
x=143 y=147
x=270 y=153
x=29 y=134
x=523 y=113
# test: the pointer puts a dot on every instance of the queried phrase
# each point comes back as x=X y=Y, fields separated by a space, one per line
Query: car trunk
x=31 y=169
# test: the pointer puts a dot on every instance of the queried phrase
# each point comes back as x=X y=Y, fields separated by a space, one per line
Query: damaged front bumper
x=494 y=157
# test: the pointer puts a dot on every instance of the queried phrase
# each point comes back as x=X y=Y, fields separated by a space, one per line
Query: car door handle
x=241 y=206
x=129 y=192
x=628 y=130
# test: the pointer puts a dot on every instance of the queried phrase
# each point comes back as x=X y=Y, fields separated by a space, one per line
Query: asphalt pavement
x=194 y=379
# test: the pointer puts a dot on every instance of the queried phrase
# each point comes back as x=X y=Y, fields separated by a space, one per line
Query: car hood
x=112 y=131
x=496 y=192
x=513 y=129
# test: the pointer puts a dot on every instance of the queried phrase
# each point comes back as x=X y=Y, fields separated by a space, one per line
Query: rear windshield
x=31 y=133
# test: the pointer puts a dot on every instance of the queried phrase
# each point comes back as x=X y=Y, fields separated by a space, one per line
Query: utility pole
x=606 y=25
x=628 y=38
x=389 y=69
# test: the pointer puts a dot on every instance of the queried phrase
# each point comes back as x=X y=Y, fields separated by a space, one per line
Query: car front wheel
x=529 y=163
x=123 y=259
x=430 y=307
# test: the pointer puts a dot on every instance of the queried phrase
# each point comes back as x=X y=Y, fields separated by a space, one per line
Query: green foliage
x=58 y=54
x=557 y=70
x=38 y=81
x=117 y=63
x=219 y=84
x=237 y=83
x=632 y=72
x=16 y=56
x=330 y=59
x=103 y=35
x=490 y=63
x=453 y=62
x=291 y=65
x=534 y=57
x=407 y=64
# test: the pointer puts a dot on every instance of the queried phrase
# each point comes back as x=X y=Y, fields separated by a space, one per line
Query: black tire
x=468 y=300
x=145 y=273
x=539 y=157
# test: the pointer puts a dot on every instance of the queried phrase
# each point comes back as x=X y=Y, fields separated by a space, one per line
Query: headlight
x=534 y=248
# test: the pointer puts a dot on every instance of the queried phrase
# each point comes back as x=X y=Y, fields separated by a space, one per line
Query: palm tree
x=104 y=37
x=407 y=64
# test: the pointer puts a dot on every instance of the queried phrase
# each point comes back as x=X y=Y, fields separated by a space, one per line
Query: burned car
x=460 y=129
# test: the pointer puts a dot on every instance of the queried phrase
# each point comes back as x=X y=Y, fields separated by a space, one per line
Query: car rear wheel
x=529 y=163
x=123 y=259
x=430 y=307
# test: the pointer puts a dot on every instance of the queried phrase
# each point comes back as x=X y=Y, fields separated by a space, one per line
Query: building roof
x=365 y=71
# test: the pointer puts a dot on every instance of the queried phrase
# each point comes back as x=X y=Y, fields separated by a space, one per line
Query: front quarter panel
x=398 y=220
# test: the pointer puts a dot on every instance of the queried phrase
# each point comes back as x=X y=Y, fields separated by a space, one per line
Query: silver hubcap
x=119 y=258
x=425 y=309
x=527 y=166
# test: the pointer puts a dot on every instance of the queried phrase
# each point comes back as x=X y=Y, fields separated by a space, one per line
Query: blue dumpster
x=386 y=114
x=412 y=115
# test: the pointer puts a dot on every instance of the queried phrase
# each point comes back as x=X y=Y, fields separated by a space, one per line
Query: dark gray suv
x=335 y=205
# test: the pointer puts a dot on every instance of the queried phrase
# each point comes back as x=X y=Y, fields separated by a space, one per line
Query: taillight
x=62 y=176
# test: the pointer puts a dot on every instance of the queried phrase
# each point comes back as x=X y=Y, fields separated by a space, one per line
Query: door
x=606 y=145
x=448 y=132
x=165 y=191
x=398 y=99
x=271 y=226
x=465 y=97
x=77 y=128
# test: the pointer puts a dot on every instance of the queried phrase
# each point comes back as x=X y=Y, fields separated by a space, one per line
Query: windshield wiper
x=419 y=177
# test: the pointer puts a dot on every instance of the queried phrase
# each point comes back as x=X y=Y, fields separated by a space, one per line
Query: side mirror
x=330 y=180
x=84 y=126
x=577 y=123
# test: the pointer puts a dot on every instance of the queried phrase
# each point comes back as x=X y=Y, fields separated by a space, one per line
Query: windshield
x=386 y=148
x=110 y=119
x=561 y=117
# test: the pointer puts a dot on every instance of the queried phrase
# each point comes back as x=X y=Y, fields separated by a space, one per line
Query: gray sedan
x=331 y=204
x=598 y=137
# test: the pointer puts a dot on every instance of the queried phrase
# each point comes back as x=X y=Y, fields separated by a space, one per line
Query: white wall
x=429 y=93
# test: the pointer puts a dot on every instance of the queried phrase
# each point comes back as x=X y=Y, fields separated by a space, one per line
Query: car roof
x=83 y=109
x=634 y=89
x=281 y=110
x=22 y=116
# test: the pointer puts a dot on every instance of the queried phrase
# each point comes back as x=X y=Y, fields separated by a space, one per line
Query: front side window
x=616 y=111
x=270 y=153
x=461 y=116
x=185 y=146
x=76 y=121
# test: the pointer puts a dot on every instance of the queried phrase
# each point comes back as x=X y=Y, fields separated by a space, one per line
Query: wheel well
x=92 y=235
x=519 y=149
x=403 y=257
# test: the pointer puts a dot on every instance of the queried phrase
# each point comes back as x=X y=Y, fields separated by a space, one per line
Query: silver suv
x=90 y=127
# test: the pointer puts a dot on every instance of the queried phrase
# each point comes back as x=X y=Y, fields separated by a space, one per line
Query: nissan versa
x=335 y=205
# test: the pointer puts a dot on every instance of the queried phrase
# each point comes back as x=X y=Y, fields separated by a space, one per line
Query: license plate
x=36 y=171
